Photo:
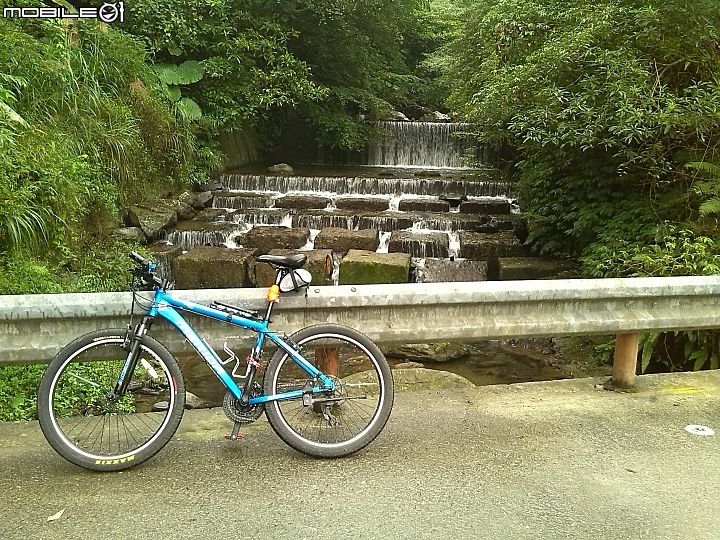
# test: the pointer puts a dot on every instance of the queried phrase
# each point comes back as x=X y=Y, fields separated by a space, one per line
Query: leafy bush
x=18 y=387
x=596 y=101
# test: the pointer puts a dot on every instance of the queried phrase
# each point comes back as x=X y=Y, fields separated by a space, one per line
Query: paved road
x=559 y=459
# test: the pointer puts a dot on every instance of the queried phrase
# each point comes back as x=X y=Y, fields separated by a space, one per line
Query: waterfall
x=424 y=144
x=485 y=187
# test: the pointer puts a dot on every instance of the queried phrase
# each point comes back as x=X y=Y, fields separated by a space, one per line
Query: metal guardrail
x=34 y=327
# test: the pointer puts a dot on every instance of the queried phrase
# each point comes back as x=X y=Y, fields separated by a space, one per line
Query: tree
x=602 y=104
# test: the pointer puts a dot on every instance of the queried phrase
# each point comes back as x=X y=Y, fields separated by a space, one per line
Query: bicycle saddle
x=292 y=261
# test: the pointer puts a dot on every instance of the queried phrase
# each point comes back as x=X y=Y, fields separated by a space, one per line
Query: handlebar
x=144 y=271
x=139 y=258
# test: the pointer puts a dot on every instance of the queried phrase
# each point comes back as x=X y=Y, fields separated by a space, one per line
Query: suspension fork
x=132 y=357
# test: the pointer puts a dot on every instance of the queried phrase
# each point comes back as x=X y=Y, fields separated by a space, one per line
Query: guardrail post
x=626 y=350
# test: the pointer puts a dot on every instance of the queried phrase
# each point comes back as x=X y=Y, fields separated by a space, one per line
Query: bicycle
x=327 y=391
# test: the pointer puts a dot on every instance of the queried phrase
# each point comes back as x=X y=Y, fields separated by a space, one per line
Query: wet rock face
x=419 y=244
x=430 y=204
x=302 y=202
x=485 y=206
x=207 y=267
x=367 y=267
x=485 y=247
x=316 y=264
x=343 y=240
x=369 y=204
x=229 y=199
x=269 y=238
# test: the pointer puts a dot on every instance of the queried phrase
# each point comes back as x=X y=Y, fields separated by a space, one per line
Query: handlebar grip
x=138 y=258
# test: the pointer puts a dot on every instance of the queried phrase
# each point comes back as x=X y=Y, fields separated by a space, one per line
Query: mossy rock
x=205 y=267
x=367 y=267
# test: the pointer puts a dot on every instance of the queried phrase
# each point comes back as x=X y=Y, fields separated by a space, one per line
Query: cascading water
x=424 y=144
x=420 y=192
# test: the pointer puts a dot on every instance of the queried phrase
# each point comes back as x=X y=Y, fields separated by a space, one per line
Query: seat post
x=278 y=276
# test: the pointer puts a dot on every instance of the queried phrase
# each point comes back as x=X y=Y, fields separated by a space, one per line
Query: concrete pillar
x=626 y=351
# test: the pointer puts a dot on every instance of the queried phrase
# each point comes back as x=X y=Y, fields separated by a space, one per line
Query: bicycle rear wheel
x=93 y=431
x=337 y=423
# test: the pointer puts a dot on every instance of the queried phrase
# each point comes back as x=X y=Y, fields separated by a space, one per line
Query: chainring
x=243 y=415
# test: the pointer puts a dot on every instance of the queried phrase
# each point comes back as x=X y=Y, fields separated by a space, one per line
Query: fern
x=709 y=187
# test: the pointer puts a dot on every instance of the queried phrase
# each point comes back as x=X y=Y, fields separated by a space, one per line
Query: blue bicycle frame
x=163 y=306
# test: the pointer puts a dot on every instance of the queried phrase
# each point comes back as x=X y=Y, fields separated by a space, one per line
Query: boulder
x=198 y=200
x=231 y=199
x=413 y=379
x=130 y=234
x=206 y=267
x=435 y=116
x=343 y=240
x=211 y=214
x=423 y=204
x=419 y=244
x=429 y=352
x=183 y=210
x=281 y=168
x=366 y=267
x=213 y=185
x=153 y=223
x=269 y=238
x=316 y=265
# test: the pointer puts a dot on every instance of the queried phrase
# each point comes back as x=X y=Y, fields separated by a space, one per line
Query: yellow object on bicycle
x=273 y=293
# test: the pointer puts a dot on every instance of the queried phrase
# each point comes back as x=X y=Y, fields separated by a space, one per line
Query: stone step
x=189 y=234
x=478 y=185
x=244 y=199
x=515 y=268
x=366 y=267
x=389 y=221
x=420 y=244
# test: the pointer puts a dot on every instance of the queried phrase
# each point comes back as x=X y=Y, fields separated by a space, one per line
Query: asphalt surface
x=562 y=459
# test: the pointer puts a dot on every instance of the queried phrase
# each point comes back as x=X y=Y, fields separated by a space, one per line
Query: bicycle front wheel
x=90 y=428
x=336 y=423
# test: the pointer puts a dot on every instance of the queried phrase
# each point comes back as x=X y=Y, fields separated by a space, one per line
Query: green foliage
x=707 y=187
x=96 y=131
x=18 y=387
x=594 y=100
x=672 y=251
